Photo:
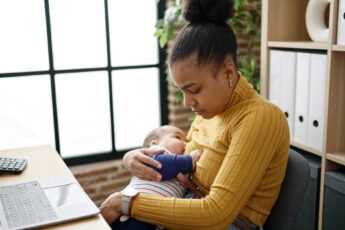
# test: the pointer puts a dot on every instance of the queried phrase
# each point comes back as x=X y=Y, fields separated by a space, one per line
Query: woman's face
x=206 y=90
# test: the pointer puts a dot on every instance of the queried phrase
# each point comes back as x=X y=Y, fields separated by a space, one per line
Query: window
x=86 y=77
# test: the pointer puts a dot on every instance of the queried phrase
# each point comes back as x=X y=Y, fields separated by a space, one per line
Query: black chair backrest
x=284 y=213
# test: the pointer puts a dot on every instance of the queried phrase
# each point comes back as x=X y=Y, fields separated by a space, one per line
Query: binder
x=282 y=83
x=317 y=91
x=274 y=85
x=341 y=23
x=287 y=87
x=302 y=98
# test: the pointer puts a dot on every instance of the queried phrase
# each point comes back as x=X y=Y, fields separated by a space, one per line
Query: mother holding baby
x=244 y=138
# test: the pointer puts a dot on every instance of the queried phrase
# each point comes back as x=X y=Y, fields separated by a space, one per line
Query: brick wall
x=101 y=179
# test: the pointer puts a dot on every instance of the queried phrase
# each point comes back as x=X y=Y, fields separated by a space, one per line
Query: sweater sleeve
x=254 y=141
x=173 y=164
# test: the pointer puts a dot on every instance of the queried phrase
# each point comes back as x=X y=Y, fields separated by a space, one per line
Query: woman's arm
x=172 y=166
x=151 y=164
x=254 y=142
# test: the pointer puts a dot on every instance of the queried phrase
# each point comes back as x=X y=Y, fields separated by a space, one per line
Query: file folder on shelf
x=274 y=86
x=302 y=98
x=282 y=83
x=287 y=87
x=317 y=90
x=341 y=23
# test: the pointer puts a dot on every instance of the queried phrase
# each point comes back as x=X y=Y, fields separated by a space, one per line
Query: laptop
x=43 y=202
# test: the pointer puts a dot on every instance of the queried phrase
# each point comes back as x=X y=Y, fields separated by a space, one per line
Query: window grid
x=51 y=72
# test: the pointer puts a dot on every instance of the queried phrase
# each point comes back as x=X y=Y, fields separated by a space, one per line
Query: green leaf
x=159 y=23
x=254 y=13
x=179 y=95
x=253 y=64
x=244 y=71
x=163 y=40
x=170 y=33
x=158 y=33
x=171 y=14
x=192 y=117
x=239 y=3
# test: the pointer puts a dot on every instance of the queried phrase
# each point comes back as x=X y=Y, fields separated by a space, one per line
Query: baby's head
x=167 y=136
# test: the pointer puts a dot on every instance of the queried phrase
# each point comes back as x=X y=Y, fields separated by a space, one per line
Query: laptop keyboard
x=25 y=204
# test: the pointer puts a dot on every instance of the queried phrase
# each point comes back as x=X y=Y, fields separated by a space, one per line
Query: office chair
x=284 y=213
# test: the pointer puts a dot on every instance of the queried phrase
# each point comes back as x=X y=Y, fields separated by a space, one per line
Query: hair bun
x=208 y=10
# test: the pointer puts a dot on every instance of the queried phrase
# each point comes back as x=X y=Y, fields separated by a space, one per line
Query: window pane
x=26 y=116
x=136 y=105
x=83 y=113
x=78 y=33
x=132 y=24
x=23 y=39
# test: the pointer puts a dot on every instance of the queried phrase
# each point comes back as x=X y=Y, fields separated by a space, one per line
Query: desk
x=44 y=161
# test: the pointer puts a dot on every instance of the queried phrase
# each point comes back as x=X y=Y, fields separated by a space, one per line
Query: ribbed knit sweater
x=241 y=169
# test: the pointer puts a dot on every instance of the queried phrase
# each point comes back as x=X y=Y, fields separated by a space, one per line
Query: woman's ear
x=229 y=69
x=229 y=66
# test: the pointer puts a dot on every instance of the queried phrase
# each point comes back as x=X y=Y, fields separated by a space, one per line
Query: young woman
x=244 y=138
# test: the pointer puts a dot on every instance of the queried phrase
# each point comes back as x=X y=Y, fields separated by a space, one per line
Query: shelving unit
x=283 y=27
x=338 y=158
x=298 y=45
x=338 y=48
x=307 y=148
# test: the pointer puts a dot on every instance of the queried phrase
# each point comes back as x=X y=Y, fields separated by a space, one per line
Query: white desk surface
x=44 y=161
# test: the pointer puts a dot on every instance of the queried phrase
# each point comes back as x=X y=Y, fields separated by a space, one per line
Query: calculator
x=12 y=165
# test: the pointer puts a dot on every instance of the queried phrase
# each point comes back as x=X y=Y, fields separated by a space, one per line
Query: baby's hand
x=196 y=154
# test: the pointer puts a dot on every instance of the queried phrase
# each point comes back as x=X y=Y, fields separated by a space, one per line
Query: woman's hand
x=196 y=154
x=111 y=207
x=136 y=159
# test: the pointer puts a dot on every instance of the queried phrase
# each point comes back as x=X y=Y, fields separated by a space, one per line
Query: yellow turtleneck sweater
x=241 y=169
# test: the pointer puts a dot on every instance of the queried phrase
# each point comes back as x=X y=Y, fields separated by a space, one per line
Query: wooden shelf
x=299 y=45
x=306 y=148
x=338 y=47
x=284 y=29
x=336 y=157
